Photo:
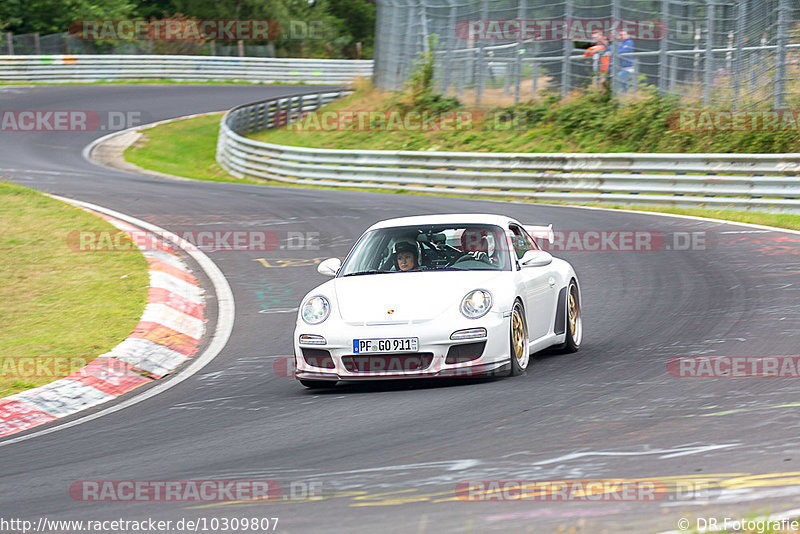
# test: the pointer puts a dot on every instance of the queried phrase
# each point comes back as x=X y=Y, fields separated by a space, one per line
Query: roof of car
x=449 y=218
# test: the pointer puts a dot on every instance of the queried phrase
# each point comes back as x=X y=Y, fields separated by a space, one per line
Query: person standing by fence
x=625 y=72
x=600 y=52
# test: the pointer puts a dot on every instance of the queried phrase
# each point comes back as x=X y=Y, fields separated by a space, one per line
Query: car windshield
x=453 y=247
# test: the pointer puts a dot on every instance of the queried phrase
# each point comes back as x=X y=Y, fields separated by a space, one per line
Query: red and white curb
x=169 y=332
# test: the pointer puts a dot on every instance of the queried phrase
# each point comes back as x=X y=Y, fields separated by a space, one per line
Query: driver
x=405 y=256
x=477 y=243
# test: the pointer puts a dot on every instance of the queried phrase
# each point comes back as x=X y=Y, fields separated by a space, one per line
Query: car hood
x=403 y=297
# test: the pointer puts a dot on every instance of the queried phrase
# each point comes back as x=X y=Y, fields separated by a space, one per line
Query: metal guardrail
x=765 y=182
x=87 y=68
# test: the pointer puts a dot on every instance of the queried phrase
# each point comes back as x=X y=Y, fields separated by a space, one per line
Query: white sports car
x=437 y=296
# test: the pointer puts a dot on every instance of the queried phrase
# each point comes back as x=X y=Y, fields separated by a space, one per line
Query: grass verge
x=60 y=306
x=187 y=148
x=184 y=148
x=590 y=121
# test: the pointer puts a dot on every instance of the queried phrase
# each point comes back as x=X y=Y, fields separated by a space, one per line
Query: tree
x=55 y=16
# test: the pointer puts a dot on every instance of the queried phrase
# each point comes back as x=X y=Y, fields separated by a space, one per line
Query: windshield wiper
x=364 y=272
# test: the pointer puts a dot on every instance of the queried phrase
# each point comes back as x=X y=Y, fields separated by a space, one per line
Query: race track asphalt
x=388 y=457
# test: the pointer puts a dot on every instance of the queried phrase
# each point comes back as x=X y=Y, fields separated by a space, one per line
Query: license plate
x=379 y=346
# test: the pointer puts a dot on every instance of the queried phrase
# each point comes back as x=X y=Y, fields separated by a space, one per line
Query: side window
x=521 y=241
x=531 y=241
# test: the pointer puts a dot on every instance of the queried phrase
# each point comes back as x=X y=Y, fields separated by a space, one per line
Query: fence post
x=741 y=13
x=673 y=76
x=566 y=65
x=780 y=72
x=709 y=70
x=696 y=63
x=66 y=42
x=614 y=66
x=37 y=46
x=519 y=51
x=535 y=77
x=481 y=56
x=424 y=19
x=241 y=48
x=662 y=49
x=451 y=38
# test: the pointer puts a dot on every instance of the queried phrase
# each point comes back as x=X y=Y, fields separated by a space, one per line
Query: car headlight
x=315 y=310
x=476 y=303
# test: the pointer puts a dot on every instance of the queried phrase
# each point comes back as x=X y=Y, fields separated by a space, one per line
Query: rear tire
x=319 y=384
x=518 y=338
x=574 y=319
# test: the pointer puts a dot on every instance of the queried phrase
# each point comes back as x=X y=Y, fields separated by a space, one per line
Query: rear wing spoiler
x=540 y=231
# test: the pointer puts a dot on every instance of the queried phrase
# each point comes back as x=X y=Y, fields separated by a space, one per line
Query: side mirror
x=536 y=258
x=329 y=267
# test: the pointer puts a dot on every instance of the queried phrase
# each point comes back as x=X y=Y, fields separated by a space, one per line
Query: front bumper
x=336 y=361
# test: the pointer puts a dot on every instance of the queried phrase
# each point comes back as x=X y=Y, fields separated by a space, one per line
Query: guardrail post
x=566 y=65
x=709 y=70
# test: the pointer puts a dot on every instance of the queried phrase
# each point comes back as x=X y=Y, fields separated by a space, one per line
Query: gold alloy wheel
x=518 y=338
x=574 y=314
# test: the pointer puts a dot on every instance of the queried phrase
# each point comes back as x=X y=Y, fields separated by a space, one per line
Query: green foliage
x=55 y=16
x=419 y=94
x=321 y=28
x=587 y=122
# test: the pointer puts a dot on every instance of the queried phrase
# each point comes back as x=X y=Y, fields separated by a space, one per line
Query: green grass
x=59 y=304
x=184 y=148
x=188 y=148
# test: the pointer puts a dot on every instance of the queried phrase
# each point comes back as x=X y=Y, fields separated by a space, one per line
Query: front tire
x=574 y=319
x=319 y=384
x=520 y=357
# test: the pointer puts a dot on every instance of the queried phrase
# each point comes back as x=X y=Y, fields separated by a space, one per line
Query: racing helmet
x=405 y=246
